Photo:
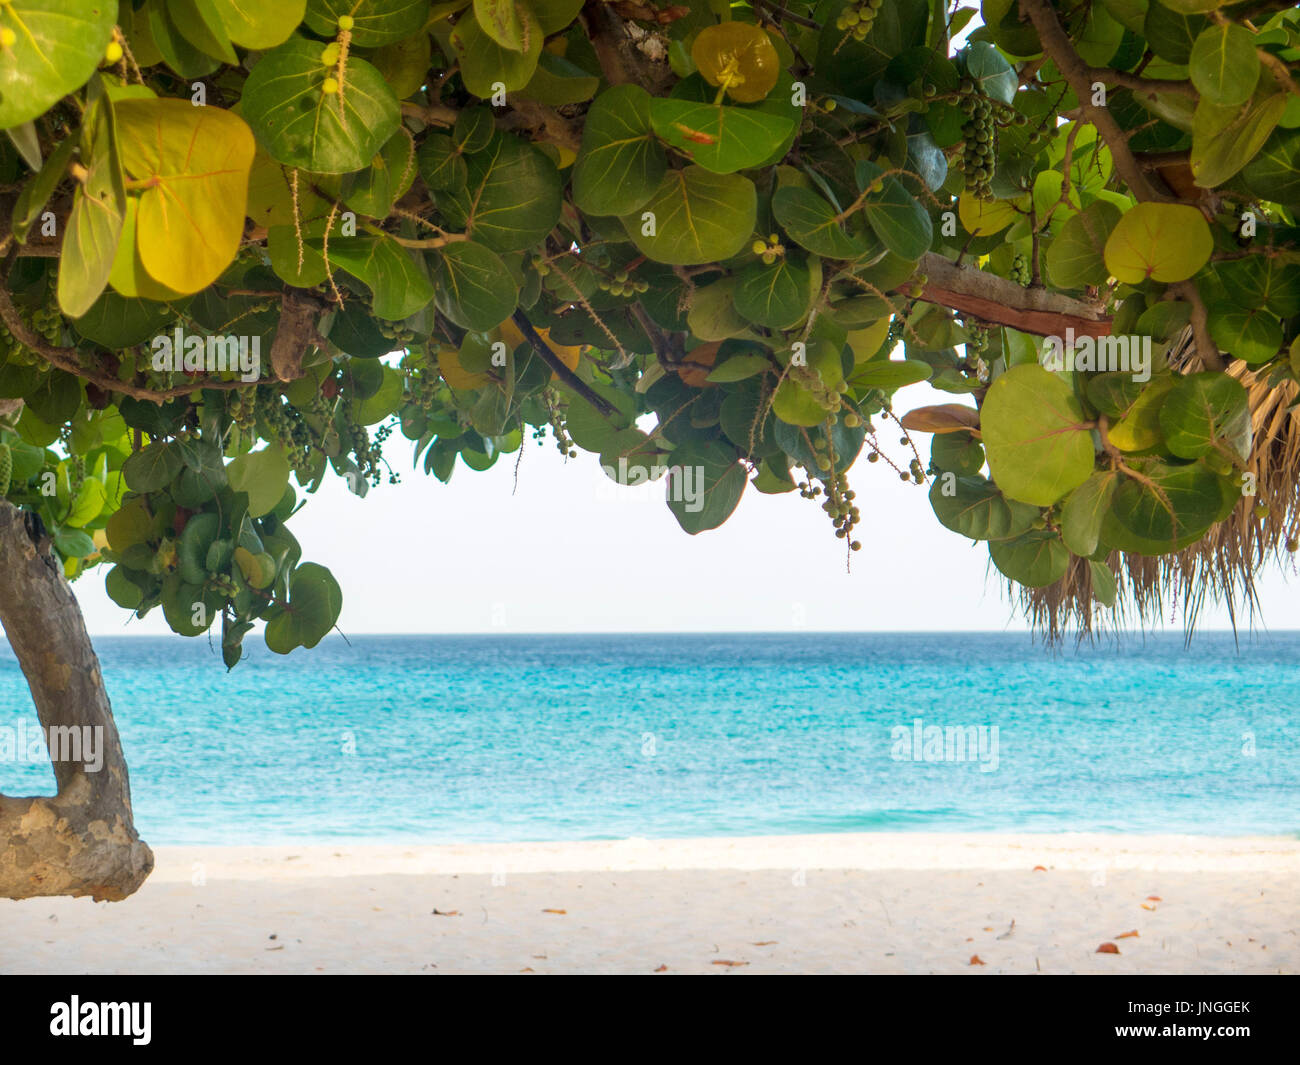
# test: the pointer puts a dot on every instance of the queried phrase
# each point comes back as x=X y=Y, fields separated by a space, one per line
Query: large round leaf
x=1036 y=436
x=302 y=126
x=260 y=26
x=1224 y=64
x=620 y=164
x=511 y=198
x=704 y=485
x=778 y=295
x=1206 y=412
x=1158 y=242
x=374 y=22
x=814 y=224
x=1076 y=257
x=56 y=46
x=720 y=138
x=1035 y=559
x=696 y=217
x=897 y=217
x=474 y=288
x=193 y=163
x=977 y=510
x=486 y=65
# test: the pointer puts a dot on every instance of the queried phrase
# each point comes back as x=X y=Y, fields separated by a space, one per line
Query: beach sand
x=860 y=903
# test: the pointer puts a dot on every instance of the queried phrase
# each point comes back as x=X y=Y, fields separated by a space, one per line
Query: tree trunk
x=82 y=841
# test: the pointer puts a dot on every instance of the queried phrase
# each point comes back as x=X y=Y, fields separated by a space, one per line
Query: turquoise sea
x=498 y=738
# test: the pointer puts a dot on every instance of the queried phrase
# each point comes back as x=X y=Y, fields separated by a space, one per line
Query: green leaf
x=398 y=287
x=814 y=224
x=196 y=162
x=373 y=191
x=1138 y=427
x=40 y=187
x=697 y=217
x=739 y=368
x=974 y=508
x=717 y=137
x=1035 y=559
x=116 y=322
x=374 y=22
x=1076 y=257
x=260 y=26
x=704 y=485
x=1104 y=587
x=474 y=288
x=199 y=534
x=512 y=196
x=152 y=468
x=556 y=82
x=1225 y=139
x=1171 y=33
x=1083 y=511
x=94 y=227
x=777 y=296
x=312 y=610
x=1274 y=174
x=1158 y=242
x=200 y=22
x=620 y=164
x=486 y=66
x=895 y=214
x=1205 y=412
x=1167 y=508
x=56 y=46
x=304 y=127
x=506 y=23
x=991 y=72
x=264 y=475
x=1224 y=64
x=889 y=375
x=1251 y=335
x=1035 y=435
x=441 y=164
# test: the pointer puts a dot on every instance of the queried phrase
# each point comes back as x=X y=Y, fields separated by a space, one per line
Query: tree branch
x=561 y=371
x=995 y=299
x=66 y=359
x=1078 y=75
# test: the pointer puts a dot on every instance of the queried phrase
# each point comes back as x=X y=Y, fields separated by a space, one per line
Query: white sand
x=881 y=902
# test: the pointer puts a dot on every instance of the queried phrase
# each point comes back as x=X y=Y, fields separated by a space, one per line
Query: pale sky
x=562 y=555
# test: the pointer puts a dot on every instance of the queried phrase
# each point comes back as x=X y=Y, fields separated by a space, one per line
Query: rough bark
x=83 y=840
x=995 y=299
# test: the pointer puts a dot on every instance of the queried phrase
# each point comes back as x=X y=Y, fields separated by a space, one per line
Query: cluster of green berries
x=977 y=343
x=829 y=399
x=6 y=469
x=979 y=140
x=770 y=250
x=622 y=284
x=859 y=18
x=915 y=472
x=398 y=334
x=285 y=424
x=242 y=408
x=1020 y=270
x=843 y=511
x=563 y=442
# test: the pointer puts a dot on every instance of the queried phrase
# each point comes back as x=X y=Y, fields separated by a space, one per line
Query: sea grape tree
x=250 y=247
